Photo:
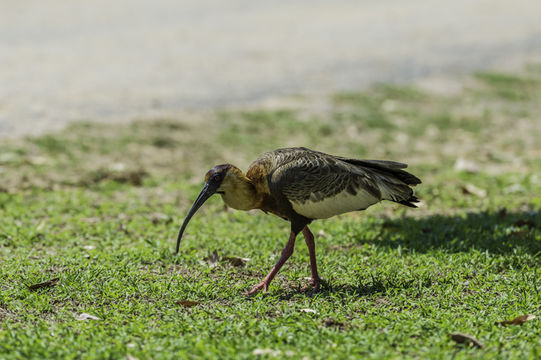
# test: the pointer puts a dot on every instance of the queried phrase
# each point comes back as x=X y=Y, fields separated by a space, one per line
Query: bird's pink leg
x=309 y=238
x=286 y=253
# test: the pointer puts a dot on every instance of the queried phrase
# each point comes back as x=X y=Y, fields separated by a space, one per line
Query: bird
x=301 y=185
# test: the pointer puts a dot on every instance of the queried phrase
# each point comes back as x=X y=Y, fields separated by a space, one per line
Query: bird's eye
x=216 y=177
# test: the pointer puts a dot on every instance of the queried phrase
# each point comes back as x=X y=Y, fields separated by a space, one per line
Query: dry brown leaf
x=85 y=316
x=236 y=261
x=213 y=258
x=518 y=232
x=525 y=222
x=45 y=284
x=470 y=189
x=188 y=303
x=158 y=217
x=122 y=227
x=466 y=165
x=519 y=320
x=270 y=352
x=461 y=338
x=333 y=323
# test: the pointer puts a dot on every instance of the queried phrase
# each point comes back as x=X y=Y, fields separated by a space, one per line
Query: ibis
x=301 y=185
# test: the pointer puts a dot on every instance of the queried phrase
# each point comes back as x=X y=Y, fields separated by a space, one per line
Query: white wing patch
x=334 y=205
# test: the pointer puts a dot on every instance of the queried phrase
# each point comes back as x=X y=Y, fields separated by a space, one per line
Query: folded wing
x=319 y=185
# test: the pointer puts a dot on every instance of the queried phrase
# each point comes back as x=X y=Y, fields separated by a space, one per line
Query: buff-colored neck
x=238 y=191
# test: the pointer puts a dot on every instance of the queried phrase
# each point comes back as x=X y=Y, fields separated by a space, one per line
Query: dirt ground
x=65 y=61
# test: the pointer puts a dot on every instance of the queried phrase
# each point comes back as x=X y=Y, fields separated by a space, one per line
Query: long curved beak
x=207 y=192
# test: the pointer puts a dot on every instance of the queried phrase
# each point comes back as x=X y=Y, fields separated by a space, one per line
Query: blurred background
x=112 y=111
x=113 y=61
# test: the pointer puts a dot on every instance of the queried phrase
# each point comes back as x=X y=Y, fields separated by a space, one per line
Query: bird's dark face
x=213 y=181
x=215 y=177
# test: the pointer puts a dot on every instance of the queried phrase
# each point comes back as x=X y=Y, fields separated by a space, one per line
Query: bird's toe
x=261 y=286
x=312 y=286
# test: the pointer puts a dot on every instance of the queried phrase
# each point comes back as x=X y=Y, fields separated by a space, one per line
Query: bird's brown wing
x=319 y=185
x=309 y=175
x=391 y=168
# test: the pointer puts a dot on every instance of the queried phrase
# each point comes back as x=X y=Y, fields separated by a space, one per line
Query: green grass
x=98 y=207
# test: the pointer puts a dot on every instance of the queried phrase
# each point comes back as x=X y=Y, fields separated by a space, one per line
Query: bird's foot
x=261 y=286
x=313 y=285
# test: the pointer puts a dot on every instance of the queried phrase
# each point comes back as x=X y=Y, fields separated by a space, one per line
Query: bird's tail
x=409 y=202
x=394 y=182
x=392 y=168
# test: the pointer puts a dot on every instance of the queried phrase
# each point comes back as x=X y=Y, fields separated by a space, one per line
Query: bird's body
x=302 y=185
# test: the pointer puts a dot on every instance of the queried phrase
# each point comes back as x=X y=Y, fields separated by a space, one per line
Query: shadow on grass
x=516 y=236
x=497 y=233
x=365 y=288
x=327 y=289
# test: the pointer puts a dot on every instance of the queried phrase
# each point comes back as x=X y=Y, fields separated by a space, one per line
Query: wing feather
x=320 y=185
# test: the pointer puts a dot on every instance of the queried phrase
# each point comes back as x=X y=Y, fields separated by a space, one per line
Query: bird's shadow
x=328 y=290
x=499 y=232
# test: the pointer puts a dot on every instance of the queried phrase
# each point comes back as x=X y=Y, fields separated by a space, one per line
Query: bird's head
x=220 y=179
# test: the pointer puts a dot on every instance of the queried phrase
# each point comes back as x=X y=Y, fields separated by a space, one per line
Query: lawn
x=95 y=211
